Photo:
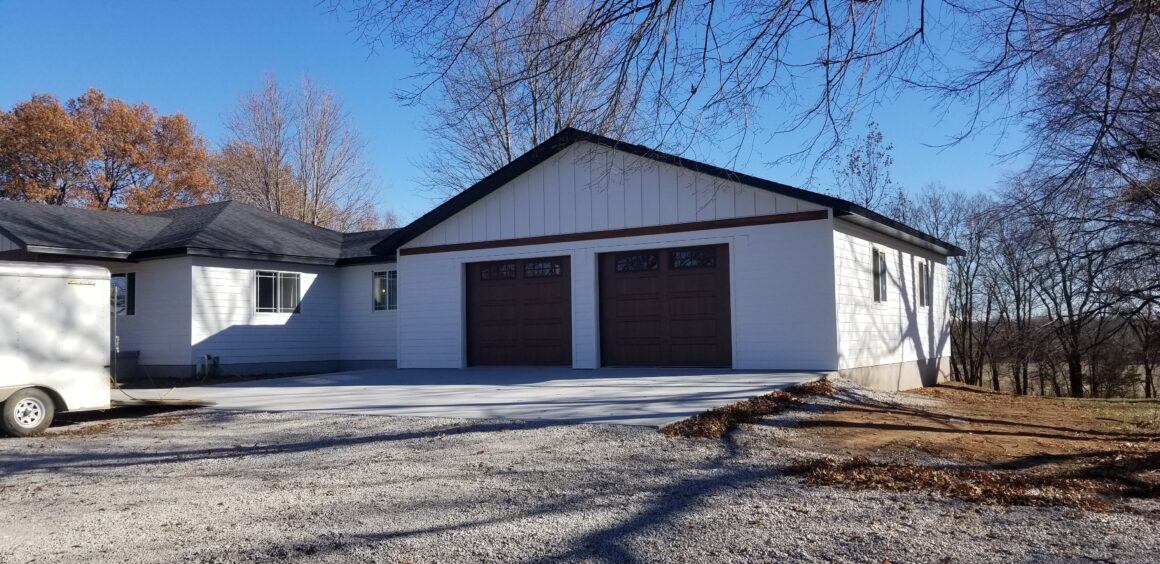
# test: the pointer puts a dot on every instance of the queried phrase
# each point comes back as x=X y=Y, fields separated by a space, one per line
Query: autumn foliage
x=104 y=153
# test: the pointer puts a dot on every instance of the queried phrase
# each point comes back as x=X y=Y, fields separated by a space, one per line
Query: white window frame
x=278 y=276
x=925 y=283
x=391 y=281
x=879 y=276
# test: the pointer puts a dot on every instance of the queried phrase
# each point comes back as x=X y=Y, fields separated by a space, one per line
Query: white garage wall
x=589 y=187
x=364 y=334
x=781 y=279
x=224 y=322
x=898 y=330
x=160 y=326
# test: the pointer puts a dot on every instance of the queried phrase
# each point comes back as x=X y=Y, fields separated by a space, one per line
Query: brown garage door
x=519 y=312
x=667 y=307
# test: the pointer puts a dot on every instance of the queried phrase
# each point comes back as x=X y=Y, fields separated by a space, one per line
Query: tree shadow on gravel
x=611 y=544
x=14 y=462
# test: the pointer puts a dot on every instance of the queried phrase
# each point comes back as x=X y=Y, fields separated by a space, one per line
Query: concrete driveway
x=652 y=397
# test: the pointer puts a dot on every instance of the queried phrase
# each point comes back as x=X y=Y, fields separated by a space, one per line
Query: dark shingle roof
x=228 y=229
x=357 y=245
x=54 y=227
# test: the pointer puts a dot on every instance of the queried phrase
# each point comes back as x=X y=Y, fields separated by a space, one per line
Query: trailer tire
x=27 y=412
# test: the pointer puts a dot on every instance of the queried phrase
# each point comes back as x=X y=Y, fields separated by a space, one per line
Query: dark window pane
x=288 y=292
x=637 y=262
x=131 y=294
x=505 y=271
x=379 y=291
x=542 y=269
x=693 y=258
x=393 y=289
x=267 y=288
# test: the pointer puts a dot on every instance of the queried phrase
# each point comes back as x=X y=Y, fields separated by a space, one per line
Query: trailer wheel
x=27 y=412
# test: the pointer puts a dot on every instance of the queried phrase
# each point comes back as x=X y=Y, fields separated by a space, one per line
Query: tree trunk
x=1149 y=388
x=1075 y=374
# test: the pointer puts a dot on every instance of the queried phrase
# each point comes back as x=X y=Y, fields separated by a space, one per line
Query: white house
x=584 y=252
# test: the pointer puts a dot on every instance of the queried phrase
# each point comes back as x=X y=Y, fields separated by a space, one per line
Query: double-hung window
x=277 y=292
x=385 y=290
x=879 y=276
x=124 y=293
x=925 y=284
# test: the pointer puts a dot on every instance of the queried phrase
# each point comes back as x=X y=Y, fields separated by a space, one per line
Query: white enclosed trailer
x=55 y=342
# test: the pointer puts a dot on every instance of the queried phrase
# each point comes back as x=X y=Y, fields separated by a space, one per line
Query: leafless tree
x=485 y=115
x=862 y=176
x=298 y=156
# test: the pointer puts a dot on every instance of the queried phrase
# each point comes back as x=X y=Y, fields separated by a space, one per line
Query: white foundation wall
x=160 y=326
x=589 y=187
x=897 y=332
x=781 y=291
x=224 y=323
x=364 y=334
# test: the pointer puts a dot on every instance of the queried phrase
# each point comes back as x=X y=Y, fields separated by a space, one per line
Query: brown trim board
x=628 y=232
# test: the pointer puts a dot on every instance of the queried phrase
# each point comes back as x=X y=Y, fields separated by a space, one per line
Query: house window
x=542 y=268
x=385 y=286
x=879 y=276
x=637 y=262
x=925 y=284
x=693 y=258
x=278 y=292
x=124 y=293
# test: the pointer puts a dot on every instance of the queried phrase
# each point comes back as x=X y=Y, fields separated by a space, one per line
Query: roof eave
x=924 y=242
x=82 y=253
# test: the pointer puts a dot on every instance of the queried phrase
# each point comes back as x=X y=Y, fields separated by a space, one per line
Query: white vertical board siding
x=898 y=330
x=589 y=187
x=781 y=290
x=160 y=326
x=363 y=333
x=225 y=323
x=8 y=245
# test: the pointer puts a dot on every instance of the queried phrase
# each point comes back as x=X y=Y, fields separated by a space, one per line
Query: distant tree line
x=297 y=155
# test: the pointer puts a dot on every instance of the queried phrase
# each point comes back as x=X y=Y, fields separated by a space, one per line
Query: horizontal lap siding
x=364 y=334
x=160 y=326
x=594 y=188
x=225 y=323
x=898 y=330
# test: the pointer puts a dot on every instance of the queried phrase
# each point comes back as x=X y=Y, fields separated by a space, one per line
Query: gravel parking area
x=214 y=486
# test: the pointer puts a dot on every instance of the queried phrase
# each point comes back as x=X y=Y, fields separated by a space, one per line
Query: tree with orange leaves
x=101 y=153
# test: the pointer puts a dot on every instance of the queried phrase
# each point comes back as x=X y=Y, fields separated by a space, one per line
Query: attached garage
x=519 y=313
x=592 y=252
x=665 y=307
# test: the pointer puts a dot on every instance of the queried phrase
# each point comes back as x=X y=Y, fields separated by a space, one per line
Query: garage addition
x=589 y=252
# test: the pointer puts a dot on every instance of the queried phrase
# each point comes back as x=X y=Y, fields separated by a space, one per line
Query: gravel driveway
x=215 y=486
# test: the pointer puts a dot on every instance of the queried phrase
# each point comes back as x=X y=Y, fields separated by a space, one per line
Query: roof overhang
x=928 y=243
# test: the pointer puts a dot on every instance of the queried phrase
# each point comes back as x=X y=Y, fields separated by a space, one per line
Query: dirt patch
x=1087 y=490
x=987 y=447
x=101 y=427
x=719 y=422
x=975 y=425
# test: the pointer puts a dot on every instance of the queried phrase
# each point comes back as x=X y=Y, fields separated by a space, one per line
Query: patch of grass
x=717 y=423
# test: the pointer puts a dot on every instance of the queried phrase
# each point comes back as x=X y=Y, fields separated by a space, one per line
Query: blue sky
x=199 y=57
